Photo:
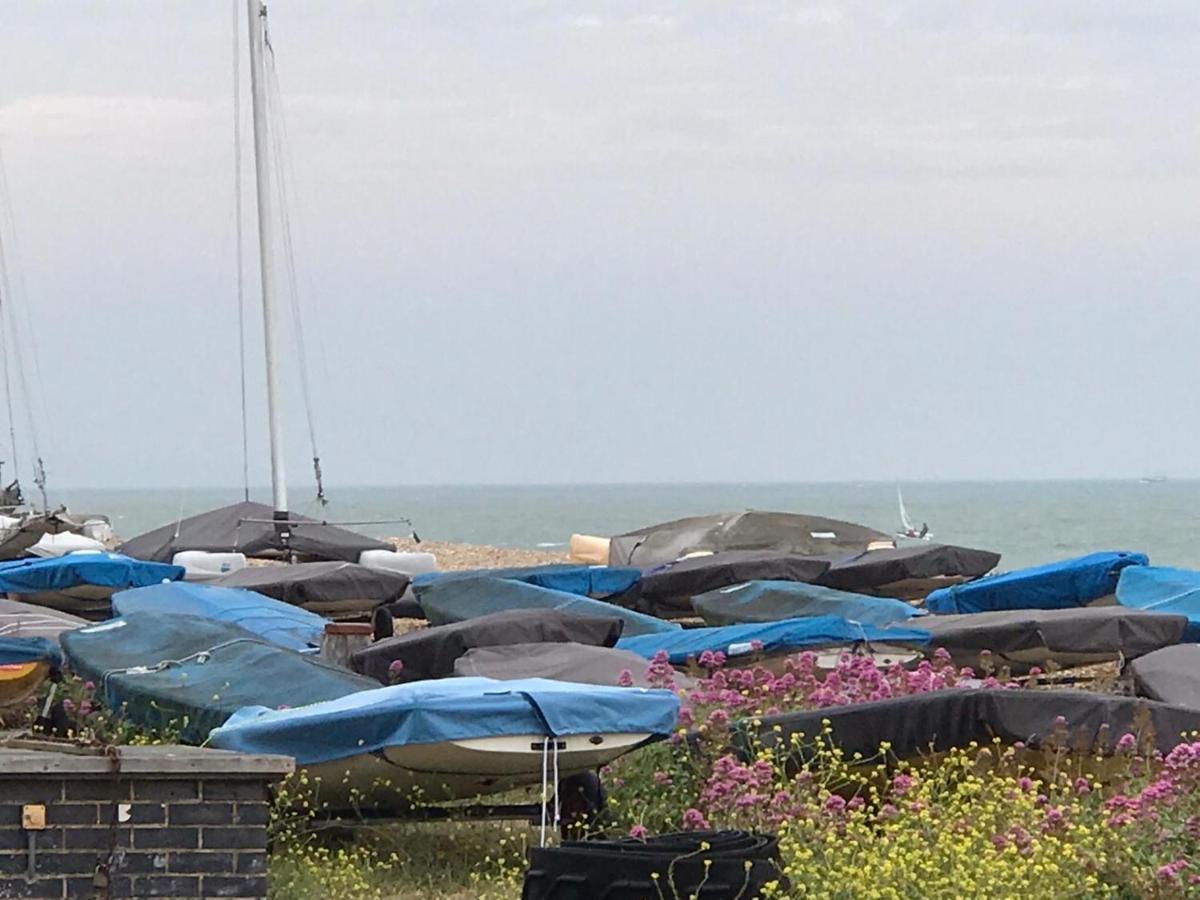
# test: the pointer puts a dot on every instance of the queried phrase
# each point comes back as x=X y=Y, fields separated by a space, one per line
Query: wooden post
x=343 y=639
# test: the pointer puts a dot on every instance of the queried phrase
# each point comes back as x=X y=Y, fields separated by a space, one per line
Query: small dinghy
x=774 y=601
x=586 y=581
x=667 y=590
x=918 y=724
x=1058 y=585
x=459 y=599
x=19 y=619
x=80 y=583
x=1171 y=675
x=25 y=662
x=769 y=643
x=1023 y=638
x=1163 y=590
x=909 y=573
x=907 y=528
x=275 y=621
x=432 y=652
x=580 y=663
x=331 y=588
x=455 y=738
x=170 y=670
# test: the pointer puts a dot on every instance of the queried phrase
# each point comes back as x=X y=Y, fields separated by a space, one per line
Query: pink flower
x=693 y=820
x=1126 y=742
x=69 y=705
x=902 y=784
x=756 y=645
x=1082 y=787
x=662 y=778
x=835 y=804
x=395 y=667
x=639 y=832
x=89 y=686
x=625 y=679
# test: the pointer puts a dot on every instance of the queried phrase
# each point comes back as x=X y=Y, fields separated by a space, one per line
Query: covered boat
x=453 y=738
x=770 y=639
x=1171 y=675
x=431 y=652
x=80 y=583
x=1023 y=638
x=667 y=589
x=332 y=588
x=25 y=662
x=773 y=601
x=247 y=527
x=788 y=533
x=580 y=663
x=459 y=599
x=908 y=572
x=1163 y=590
x=19 y=619
x=941 y=720
x=1059 y=585
x=586 y=581
x=275 y=621
x=168 y=670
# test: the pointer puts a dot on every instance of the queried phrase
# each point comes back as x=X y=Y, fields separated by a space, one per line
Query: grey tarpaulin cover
x=1068 y=636
x=941 y=720
x=19 y=620
x=874 y=568
x=668 y=589
x=747 y=530
x=563 y=662
x=774 y=601
x=328 y=588
x=1171 y=675
x=227 y=529
x=431 y=652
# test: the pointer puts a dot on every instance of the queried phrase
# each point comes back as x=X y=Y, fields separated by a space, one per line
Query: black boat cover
x=580 y=663
x=1171 y=675
x=792 y=533
x=668 y=589
x=1037 y=635
x=247 y=528
x=457 y=599
x=431 y=652
x=327 y=588
x=940 y=720
x=874 y=568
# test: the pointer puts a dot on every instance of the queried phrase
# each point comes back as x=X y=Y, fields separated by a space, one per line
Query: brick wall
x=174 y=836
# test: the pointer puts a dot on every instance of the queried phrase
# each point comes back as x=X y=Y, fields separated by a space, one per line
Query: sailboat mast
x=257 y=12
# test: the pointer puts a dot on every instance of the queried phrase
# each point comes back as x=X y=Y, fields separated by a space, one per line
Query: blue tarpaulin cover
x=1163 y=590
x=587 y=581
x=459 y=599
x=18 y=651
x=1057 y=585
x=280 y=623
x=33 y=576
x=451 y=709
x=774 y=601
x=175 y=670
x=776 y=637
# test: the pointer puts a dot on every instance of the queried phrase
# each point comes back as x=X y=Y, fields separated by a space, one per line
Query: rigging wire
x=241 y=278
x=13 y=344
x=283 y=174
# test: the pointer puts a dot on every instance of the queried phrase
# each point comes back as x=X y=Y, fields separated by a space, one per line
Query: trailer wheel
x=582 y=800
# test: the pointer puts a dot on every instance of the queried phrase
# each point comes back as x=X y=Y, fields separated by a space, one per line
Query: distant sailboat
x=908 y=529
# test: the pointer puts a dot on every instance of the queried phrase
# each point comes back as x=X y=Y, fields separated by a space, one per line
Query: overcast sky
x=614 y=241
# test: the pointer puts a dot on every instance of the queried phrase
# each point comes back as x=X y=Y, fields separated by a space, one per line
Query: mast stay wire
x=13 y=343
x=240 y=252
x=283 y=173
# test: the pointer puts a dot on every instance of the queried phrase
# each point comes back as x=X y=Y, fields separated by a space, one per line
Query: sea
x=1027 y=522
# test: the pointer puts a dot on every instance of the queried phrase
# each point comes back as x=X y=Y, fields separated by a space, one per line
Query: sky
x=618 y=242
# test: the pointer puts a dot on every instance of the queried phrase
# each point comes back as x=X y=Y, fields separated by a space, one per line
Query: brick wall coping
x=21 y=759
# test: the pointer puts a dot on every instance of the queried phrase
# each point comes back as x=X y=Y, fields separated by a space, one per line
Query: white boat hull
x=398 y=778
